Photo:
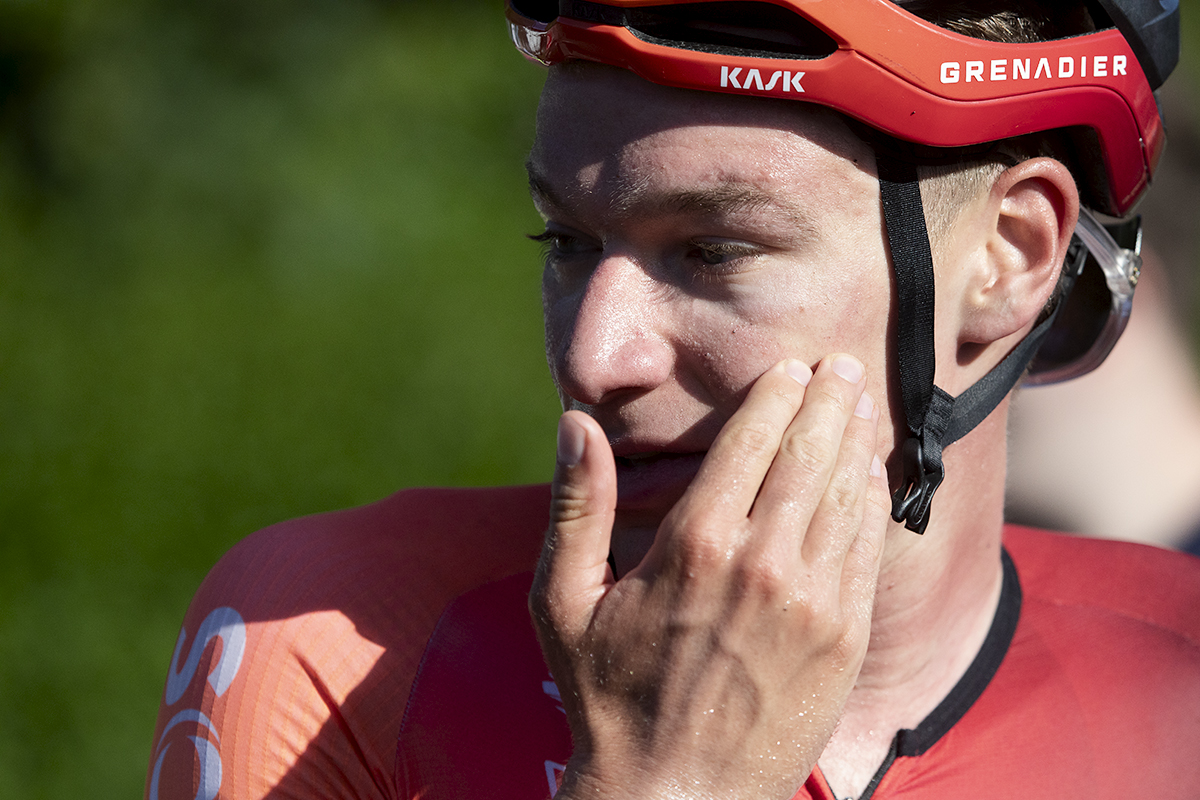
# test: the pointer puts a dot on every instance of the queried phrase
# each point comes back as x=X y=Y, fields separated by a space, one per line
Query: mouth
x=654 y=481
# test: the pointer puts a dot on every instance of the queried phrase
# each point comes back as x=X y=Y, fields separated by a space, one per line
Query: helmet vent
x=753 y=29
x=543 y=11
x=732 y=28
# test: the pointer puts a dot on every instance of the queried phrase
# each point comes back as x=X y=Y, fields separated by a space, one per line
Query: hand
x=719 y=666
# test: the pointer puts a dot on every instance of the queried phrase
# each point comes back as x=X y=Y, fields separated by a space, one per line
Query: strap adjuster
x=911 y=502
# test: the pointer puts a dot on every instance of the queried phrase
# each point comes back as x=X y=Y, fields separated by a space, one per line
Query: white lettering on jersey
x=554 y=772
x=209 y=779
x=550 y=688
x=188 y=715
x=225 y=623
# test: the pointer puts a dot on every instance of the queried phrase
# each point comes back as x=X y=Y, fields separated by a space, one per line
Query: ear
x=1026 y=227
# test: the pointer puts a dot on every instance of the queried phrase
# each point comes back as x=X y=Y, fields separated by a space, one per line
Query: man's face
x=693 y=241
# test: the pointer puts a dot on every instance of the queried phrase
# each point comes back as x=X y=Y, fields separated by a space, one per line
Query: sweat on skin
x=700 y=249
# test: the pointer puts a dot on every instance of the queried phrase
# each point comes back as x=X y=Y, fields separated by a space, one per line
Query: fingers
x=860 y=570
x=732 y=473
x=695 y=663
x=573 y=570
x=798 y=458
x=797 y=461
x=821 y=479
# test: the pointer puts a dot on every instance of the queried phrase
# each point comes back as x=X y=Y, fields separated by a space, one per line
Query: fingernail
x=571 y=437
x=876 y=467
x=849 y=368
x=865 y=406
x=800 y=371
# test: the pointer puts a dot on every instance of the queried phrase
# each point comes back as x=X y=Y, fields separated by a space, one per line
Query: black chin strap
x=935 y=419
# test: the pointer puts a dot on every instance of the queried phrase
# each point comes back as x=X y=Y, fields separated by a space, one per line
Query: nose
x=608 y=338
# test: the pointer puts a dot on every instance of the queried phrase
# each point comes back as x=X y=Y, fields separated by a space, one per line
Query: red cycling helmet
x=898 y=75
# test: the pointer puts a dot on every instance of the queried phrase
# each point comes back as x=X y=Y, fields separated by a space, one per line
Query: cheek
x=558 y=317
x=797 y=316
x=730 y=344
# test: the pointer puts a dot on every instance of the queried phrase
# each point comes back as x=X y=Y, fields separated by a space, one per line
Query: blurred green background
x=257 y=260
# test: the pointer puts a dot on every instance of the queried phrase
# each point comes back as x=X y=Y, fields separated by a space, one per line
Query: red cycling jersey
x=316 y=645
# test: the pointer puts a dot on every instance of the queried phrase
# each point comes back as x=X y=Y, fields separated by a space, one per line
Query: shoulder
x=468 y=533
x=295 y=659
x=1107 y=658
x=386 y=564
x=1104 y=669
x=1160 y=588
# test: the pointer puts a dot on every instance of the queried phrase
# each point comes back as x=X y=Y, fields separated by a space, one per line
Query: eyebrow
x=539 y=187
x=724 y=198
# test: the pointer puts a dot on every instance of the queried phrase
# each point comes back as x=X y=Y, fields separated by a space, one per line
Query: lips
x=654 y=480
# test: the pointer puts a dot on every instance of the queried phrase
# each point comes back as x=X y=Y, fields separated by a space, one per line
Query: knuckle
x=764 y=576
x=704 y=553
x=865 y=551
x=859 y=437
x=568 y=503
x=756 y=436
x=809 y=450
x=824 y=614
x=567 y=492
x=834 y=394
x=786 y=392
x=843 y=494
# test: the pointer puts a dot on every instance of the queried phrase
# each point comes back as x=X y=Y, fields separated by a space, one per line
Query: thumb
x=573 y=572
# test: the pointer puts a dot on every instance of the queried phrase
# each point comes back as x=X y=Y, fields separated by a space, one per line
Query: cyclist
x=748 y=587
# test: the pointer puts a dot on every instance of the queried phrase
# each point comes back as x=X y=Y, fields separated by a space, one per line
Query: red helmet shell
x=906 y=77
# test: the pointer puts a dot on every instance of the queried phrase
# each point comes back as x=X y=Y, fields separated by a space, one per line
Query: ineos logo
x=554 y=770
x=226 y=624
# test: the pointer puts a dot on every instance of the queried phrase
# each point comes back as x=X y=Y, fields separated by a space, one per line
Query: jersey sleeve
x=293 y=666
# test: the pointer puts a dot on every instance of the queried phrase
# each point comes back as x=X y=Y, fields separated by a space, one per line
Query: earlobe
x=1030 y=216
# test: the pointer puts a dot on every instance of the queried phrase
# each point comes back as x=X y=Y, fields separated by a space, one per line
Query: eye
x=711 y=256
x=720 y=253
x=558 y=245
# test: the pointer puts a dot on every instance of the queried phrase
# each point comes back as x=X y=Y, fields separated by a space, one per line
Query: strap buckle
x=911 y=502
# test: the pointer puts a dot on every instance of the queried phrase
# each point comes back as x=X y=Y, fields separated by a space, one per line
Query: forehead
x=604 y=131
